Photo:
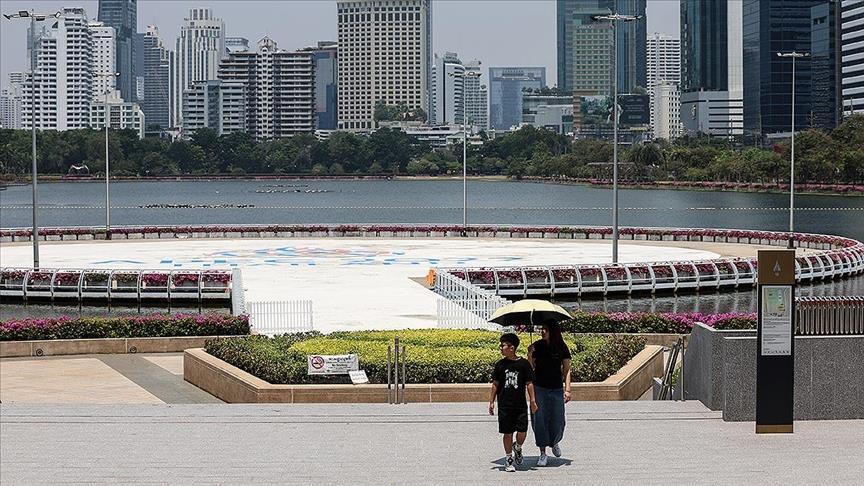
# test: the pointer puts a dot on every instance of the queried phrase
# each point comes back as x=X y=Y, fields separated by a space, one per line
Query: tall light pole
x=614 y=19
x=107 y=125
x=464 y=75
x=34 y=17
x=794 y=55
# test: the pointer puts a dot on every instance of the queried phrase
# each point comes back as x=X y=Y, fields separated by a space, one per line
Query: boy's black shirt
x=512 y=377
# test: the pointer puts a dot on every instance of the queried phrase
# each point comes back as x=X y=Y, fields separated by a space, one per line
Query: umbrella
x=529 y=311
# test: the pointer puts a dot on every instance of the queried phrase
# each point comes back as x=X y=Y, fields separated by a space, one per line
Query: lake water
x=440 y=202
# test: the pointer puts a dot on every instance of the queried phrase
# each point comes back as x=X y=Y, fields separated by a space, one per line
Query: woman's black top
x=547 y=364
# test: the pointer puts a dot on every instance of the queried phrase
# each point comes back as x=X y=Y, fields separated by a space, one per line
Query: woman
x=550 y=359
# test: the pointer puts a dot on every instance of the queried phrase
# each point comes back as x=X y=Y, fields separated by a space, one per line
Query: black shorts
x=510 y=421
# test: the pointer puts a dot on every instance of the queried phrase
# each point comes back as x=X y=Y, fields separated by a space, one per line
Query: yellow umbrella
x=529 y=311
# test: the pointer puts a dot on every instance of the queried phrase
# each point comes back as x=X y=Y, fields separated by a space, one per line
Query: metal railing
x=454 y=314
x=465 y=305
x=272 y=318
x=830 y=316
x=116 y=284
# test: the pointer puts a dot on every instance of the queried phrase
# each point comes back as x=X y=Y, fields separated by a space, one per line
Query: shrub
x=432 y=356
x=643 y=322
x=154 y=325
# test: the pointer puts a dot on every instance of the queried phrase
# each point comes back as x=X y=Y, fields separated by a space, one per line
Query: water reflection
x=46 y=309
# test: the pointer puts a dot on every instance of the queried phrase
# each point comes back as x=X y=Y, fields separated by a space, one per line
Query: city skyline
x=502 y=42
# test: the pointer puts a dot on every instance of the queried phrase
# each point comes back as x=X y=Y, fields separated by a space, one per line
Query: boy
x=511 y=377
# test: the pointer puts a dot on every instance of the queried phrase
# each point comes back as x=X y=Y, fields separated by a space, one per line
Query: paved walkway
x=605 y=443
x=99 y=379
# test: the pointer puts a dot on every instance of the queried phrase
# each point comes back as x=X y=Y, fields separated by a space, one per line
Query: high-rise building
x=64 y=80
x=104 y=59
x=852 y=55
x=17 y=79
x=384 y=58
x=199 y=48
x=506 y=86
x=279 y=89
x=582 y=63
x=10 y=109
x=770 y=28
x=476 y=97
x=446 y=100
x=237 y=44
x=326 y=58
x=215 y=104
x=122 y=115
x=664 y=67
x=825 y=91
x=712 y=70
x=666 y=110
x=156 y=80
x=549 y=109
x=139 y=66
x=122 y=15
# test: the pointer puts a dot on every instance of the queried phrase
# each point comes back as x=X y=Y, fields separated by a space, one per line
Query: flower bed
x=663 y=323
x=156 y=325
x=433 y=356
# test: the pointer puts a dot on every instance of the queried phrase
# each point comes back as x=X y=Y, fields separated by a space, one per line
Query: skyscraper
x=215 y=104
x=664 y=67
x=712 y=71
x=64 y=67
x=852 y=51
x=279 y=89
x=579 y=37
x=446 y=105
x=156 y=80
x=104 y=60
x=384 y=56
x=10 y=109
x=476 y=97
x=506 y=85
x=199 y=48
x=825 y=91
x=122 y=15
x=326 y=84
x=769 y=28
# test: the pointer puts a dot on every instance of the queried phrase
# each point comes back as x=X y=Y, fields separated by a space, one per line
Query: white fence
x=455 y=315
x=465 y=305
x=280 y=317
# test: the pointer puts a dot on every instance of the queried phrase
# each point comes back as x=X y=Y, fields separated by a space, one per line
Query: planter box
x=234 y=385
x=58 y=347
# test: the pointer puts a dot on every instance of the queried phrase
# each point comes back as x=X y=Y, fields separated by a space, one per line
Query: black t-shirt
x=547 y=364
x=512 y=377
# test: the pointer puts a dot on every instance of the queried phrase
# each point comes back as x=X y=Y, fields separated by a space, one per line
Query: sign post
x=775 y=343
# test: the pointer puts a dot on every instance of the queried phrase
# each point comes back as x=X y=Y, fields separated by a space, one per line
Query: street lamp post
x=464 y=75
x=34 y=17
x=614 y=19
x=794 y=55
x=107 y=125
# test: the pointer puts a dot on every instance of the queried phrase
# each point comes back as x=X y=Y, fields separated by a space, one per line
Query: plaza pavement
x=605 y=443
x=354 y=283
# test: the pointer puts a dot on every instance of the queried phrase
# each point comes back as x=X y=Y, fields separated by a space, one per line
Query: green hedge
x=432 y=356
x=644 y=322
x=154 y=325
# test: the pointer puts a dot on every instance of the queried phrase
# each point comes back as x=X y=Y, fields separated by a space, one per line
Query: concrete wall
x=720 y=371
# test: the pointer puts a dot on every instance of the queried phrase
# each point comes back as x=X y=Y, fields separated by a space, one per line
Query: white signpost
x=340 y=364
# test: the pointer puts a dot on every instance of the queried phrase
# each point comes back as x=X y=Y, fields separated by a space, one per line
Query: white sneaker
x=556 y=449
x=542 y=461
x=517 y=453
x=510 y=467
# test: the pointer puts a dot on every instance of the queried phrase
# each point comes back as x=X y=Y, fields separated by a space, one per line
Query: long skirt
x=548 y=421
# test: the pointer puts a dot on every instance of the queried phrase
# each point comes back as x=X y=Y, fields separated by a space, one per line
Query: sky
x=497 y=32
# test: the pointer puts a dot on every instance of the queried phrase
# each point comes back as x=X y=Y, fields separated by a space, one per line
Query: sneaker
x=510 y=467
x=556 y=449
x=517 y=453
x=542 y=461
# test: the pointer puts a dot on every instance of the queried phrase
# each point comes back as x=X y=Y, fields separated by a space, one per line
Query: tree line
x=821 y=157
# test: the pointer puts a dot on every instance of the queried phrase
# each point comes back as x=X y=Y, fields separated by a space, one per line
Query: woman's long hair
x=556 y=341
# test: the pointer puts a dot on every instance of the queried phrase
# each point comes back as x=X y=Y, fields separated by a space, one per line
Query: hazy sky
x=497 y=32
